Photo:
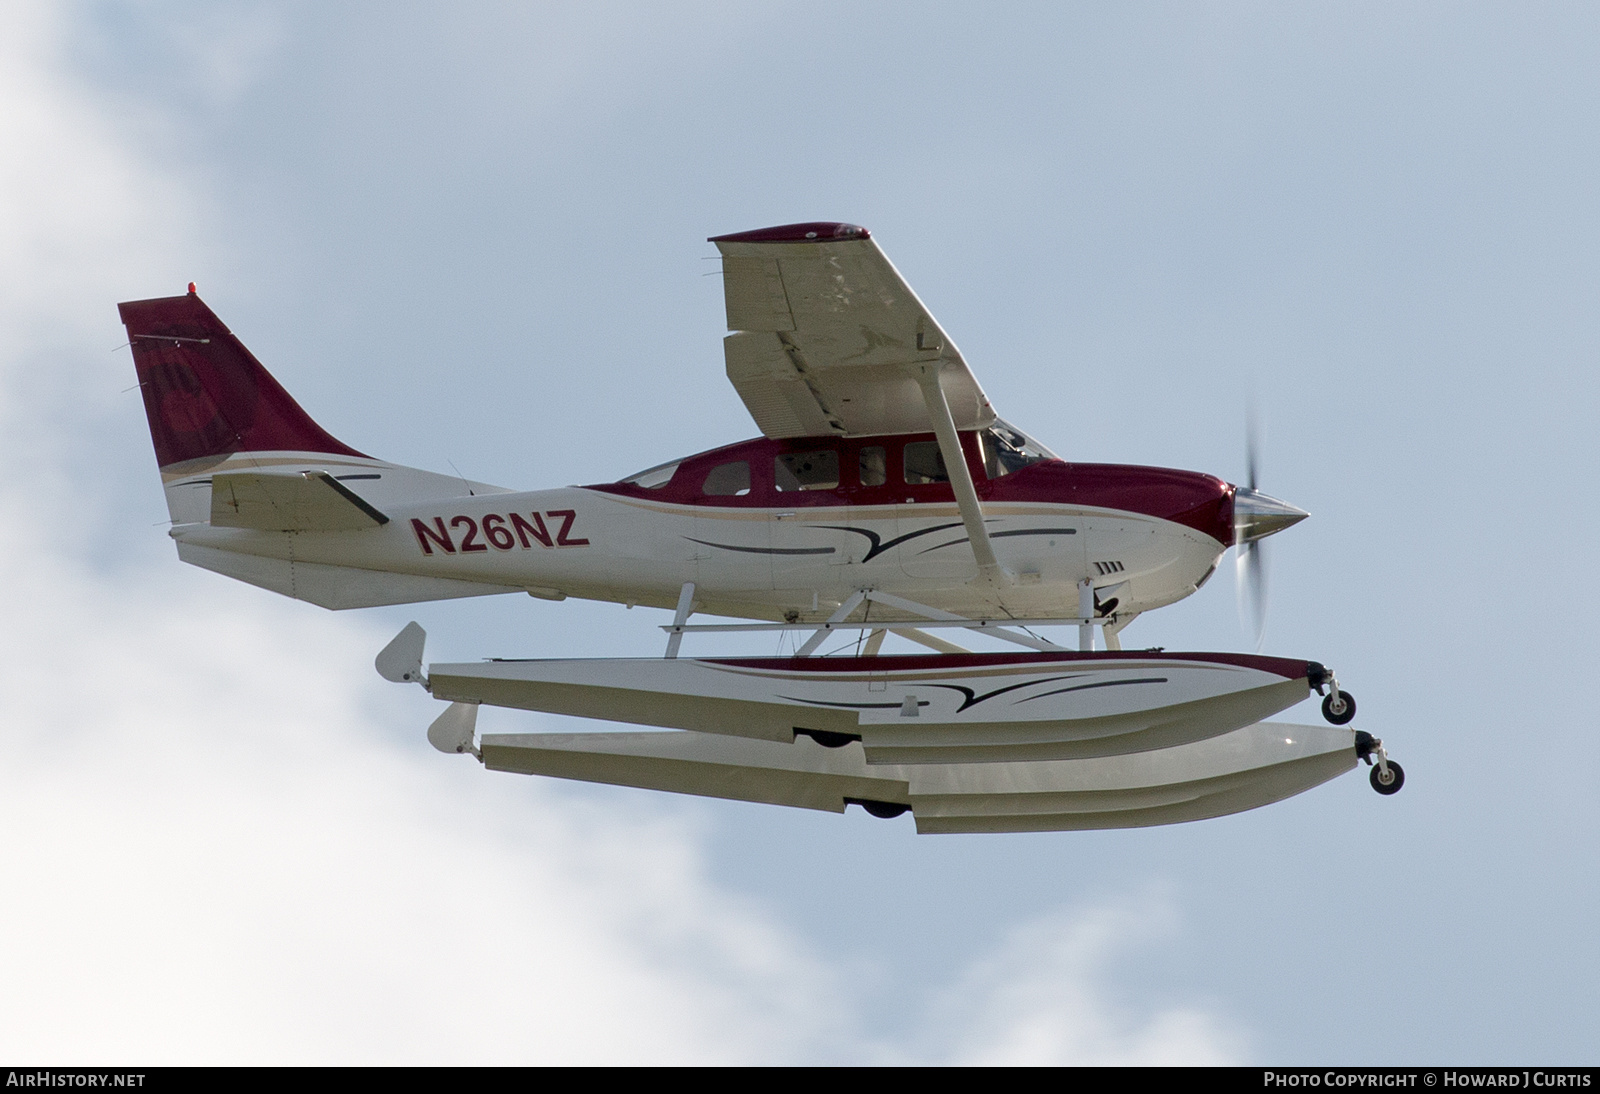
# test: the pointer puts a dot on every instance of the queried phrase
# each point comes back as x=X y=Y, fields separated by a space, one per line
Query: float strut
x=685 y=610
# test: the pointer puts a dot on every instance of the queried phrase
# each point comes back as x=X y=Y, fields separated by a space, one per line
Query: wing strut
x=928 y=377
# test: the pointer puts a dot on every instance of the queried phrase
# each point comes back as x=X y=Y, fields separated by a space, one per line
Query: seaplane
x=884 y=497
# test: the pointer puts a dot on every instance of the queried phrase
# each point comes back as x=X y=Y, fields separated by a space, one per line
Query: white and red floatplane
x=884 y=497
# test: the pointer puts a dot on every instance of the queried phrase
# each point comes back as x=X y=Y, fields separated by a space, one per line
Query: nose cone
x=1256 y=514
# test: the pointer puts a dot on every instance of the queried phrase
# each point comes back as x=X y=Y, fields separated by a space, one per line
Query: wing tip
x=819 y=231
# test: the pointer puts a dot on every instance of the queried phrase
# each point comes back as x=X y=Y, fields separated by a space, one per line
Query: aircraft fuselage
x=766 y=529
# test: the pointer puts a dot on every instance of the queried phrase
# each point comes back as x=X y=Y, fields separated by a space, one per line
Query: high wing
x=827 y=335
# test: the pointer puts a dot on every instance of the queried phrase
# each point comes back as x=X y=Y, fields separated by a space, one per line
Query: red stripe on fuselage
x=1195 y=500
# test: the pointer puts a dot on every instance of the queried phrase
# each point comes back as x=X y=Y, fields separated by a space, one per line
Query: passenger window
x=925 y=463
x=807 y=470
x=874 y=466
x=729 y=480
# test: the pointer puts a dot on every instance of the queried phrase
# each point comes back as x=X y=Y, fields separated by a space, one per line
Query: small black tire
x=1397 y=778
x=1342 y=717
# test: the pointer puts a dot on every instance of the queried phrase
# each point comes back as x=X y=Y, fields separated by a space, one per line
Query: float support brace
x=685 y=610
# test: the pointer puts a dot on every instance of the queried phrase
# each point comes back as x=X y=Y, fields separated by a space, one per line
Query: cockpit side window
x=925 y=463
x=1007 y=449
x=728 y=480
x=807 y=470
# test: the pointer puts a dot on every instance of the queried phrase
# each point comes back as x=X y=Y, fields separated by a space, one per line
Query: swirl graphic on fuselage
x=765 y=550
x=878 y=545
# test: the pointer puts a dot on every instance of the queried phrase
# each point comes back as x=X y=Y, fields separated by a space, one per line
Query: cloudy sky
x=474 y=237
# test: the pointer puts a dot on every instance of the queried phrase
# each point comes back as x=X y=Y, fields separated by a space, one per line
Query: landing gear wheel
x=1341 y=714
x=1397 y=778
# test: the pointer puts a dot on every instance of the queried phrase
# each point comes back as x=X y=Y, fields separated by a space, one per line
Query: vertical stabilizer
x=206 y=396
x=260 y=492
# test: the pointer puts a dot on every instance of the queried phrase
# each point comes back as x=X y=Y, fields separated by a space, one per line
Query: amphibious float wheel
x=1397 y=778
x=1339 y=714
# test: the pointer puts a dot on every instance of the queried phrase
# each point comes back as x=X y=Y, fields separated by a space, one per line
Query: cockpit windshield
x=654 y=478
x=1006 y=449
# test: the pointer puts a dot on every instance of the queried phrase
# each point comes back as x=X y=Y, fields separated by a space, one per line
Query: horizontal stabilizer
x=304 y=501
x=1250 y=767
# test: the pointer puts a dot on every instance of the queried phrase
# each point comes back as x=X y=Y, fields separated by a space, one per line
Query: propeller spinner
x=1256 y=516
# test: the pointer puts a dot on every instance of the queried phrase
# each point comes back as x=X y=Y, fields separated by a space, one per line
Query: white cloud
x=80 y=212
x=215 y=851
x=221 y=843
x=222 y=840
x=1041 y=999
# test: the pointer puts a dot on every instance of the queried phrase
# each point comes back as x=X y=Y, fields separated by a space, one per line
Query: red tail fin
x=205 y=394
